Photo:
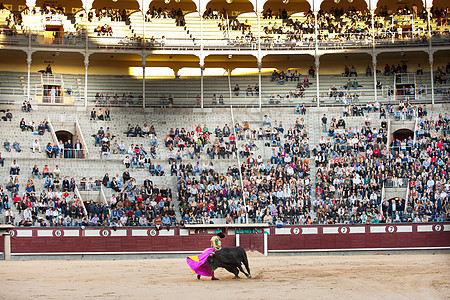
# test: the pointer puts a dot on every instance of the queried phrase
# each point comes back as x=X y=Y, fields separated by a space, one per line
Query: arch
x=393 y=6
x=13 y=60
x=410 y=58
x=187 y=71
x=64 y=135
x=402 y=134
x=299 y=62
x=292 y=7
x=440 y=3
x=15 y=4
x=68 y=5
x=130 y=5
x=334 y=63
x=113 y=63
x=230 y=62
x=328 y=5
x=62 y=62
x=185 y=6
x=235 y=8
x=441 y=58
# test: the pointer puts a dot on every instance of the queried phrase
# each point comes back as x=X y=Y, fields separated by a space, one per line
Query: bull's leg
x=242 y=270
x=245 y=262
x=234 y=271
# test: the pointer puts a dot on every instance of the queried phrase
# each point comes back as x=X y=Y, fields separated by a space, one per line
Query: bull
x=231 y=259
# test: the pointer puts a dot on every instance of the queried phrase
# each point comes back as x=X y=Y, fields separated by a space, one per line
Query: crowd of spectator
x=105 y=30
x=165 y=13
x=352 y=165
x=57 y=203
x=114 y=14
x=274 y=191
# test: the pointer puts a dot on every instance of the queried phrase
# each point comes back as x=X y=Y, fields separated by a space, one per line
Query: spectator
x=36 y=146
x=7 y=145
x=324 y=123
x=16 y=146
x=56 y=172
x=15 y=169
x=236 y=89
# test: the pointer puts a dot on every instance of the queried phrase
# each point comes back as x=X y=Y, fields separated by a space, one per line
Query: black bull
x=231 y=259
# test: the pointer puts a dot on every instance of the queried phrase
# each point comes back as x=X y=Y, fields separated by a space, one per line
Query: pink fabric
x=200 y=267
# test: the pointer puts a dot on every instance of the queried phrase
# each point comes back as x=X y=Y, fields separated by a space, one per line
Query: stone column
x=430 y=59
x=372 y=13
x=144 y=65
x=7 y=244
x=202 y=68
x=317 y=63
x=259 y=84
x=29 y=59
x=374 y=72
x=86 y=66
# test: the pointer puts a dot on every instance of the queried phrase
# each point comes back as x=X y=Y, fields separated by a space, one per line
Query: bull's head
x=212 y=261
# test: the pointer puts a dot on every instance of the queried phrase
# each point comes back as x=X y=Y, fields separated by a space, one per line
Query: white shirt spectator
x=130 y=150
x=27 y=214
x=61 y=147
x=14 y=165
x=112 y=200
x=126 y=160
x=145 y=129
x=57 y=171
x=36 y=146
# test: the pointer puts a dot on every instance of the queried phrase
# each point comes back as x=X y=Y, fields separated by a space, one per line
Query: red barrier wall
x=295 y=238
x=360 y=237
x=2 y=243
x=36 y=240
x=252 y=241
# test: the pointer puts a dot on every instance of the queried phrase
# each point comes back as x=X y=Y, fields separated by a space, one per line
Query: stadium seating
x=296 y=173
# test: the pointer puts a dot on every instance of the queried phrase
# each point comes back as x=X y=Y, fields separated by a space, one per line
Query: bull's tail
x=245 y=262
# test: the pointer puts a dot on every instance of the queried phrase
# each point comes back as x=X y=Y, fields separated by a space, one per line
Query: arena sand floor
x=412 y=276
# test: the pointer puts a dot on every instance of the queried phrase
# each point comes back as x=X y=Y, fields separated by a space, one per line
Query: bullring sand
x=414 y=276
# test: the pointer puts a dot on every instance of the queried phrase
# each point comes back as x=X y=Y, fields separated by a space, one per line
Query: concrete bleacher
x=184 y=90
x=4 y=13
x=157 y=28
x=163 y=120
x=128 y=34
x=211 y=31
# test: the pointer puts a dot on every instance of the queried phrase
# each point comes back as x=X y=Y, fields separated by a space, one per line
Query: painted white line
x=108 y=253
x=184 y=232
x=378 y=229
x=424 y=228
x=24 y=233
x=45 y=233
x=92 y=232
x=170 y=232
x=357 y=229
x=310 y=230
x=118 y=232
x=404 y=228
x=282 y=230
x=330 y=230
x=139 y=232
x=357 y=249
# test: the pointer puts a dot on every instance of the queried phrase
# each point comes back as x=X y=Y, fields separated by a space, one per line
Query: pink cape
x=198 y=263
